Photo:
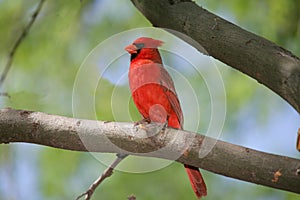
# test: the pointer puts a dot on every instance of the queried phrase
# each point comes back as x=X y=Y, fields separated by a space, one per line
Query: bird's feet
x=142 y=122
x=165 y=125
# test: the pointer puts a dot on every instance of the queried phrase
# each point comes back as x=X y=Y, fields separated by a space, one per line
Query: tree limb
x=114 y=137
x=19 y=41
x=268 y=63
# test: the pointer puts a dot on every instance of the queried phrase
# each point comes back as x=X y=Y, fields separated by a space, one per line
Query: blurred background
x=44 y=72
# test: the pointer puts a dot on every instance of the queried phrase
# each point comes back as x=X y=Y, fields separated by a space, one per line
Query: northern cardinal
x=154 y=95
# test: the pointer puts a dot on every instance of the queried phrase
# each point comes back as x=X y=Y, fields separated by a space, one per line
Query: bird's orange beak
x=131 y=49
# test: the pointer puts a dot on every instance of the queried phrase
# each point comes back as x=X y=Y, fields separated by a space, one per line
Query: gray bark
x=183 y=146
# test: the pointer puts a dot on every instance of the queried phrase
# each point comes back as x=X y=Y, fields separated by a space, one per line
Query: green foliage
x=6 y=155
x=25 y=100
x=56 y=169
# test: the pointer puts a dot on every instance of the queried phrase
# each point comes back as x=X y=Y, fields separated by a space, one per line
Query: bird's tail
x=196 y=180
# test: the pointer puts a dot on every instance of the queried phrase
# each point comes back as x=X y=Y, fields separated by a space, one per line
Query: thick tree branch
x=77 y=134
x=268 y=63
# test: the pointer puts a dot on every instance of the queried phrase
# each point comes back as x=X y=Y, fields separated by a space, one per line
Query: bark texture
x=87 y=135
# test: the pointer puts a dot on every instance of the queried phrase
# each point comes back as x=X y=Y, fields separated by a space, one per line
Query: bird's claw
x=165 y=125
x=142 y=123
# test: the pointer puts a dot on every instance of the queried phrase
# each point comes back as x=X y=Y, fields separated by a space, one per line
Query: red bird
x=154 y=94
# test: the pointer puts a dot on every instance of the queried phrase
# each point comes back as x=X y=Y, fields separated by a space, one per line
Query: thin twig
x=107 y=173
x=18 y=42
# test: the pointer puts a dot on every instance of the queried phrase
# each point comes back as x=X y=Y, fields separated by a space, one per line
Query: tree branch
x=114 y=137
x=268 y=63
x=19 y=41
x=107 y=173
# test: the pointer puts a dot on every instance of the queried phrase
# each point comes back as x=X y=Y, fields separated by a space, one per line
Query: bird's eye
x=139 y=45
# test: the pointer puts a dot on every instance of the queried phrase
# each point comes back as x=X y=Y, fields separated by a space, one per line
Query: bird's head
x=143 y=42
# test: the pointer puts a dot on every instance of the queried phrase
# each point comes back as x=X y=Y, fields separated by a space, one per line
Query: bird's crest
x=148 y=42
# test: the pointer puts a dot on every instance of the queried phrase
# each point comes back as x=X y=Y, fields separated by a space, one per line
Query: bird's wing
x=167 y=82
